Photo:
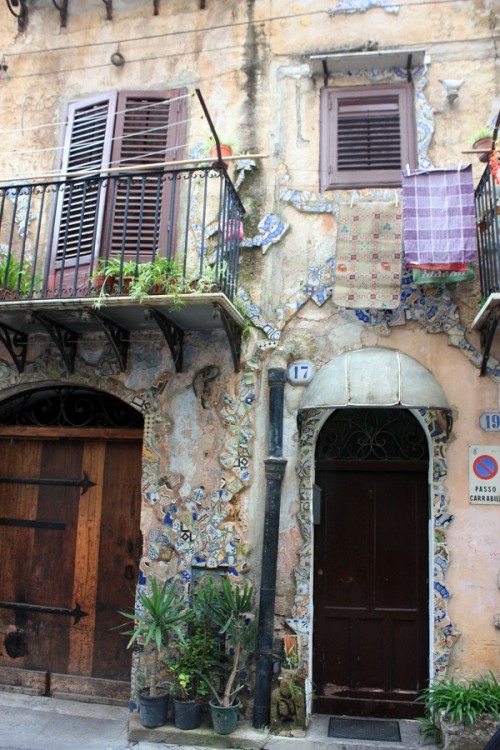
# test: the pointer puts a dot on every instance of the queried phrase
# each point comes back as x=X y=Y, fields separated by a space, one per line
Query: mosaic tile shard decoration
x=271 y=230
x=361 y=6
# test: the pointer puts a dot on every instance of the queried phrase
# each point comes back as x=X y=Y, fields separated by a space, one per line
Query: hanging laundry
x=368 y=261
x=442 y=275
x=439 y=225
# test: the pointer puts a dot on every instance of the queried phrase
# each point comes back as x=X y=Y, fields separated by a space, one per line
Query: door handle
x=129 y=573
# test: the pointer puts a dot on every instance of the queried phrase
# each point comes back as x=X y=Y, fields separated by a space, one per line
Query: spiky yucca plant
x=229 y=608
x=159 y=613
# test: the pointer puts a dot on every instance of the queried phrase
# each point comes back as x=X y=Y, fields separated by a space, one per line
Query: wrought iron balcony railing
x=487 y=198
x=181 y=226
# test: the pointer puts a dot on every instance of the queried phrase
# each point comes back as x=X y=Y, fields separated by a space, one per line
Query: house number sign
x=300 y=372
x=489 y=421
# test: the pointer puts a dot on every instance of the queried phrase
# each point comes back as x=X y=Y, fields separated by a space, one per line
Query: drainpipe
x=274 y=471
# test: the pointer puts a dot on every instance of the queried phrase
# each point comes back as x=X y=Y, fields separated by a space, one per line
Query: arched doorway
x=371 y=552
x=70 y=478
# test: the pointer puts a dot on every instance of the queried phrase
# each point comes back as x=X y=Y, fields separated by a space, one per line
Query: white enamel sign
x=489 y=421
x=300 y=372
x=484 y=479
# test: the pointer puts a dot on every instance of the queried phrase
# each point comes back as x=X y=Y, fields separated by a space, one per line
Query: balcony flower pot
x=224 y=718
x=187 y=714
x=225 y=151
x=482 y=142
x=483 y=147
x=153 y=708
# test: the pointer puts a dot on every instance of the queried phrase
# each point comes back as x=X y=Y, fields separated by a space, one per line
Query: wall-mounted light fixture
x=451 y=88
x=3 y=64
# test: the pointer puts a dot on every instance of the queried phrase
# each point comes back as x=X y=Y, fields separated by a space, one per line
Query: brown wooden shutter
x=150 y=128
x=80 y=205
x=367 y=135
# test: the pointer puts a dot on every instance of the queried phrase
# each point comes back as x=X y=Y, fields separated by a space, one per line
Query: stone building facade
x=202 y=482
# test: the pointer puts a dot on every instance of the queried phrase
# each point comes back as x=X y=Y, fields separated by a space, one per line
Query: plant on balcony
x=481 y=142
x=227 y=147
x=495 y=161
x=17 y=278
x=161 y=276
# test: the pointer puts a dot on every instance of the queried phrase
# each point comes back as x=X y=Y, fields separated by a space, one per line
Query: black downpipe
x=275 y=470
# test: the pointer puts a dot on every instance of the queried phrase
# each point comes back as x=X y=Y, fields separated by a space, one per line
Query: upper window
x=367 y=135
x=119 y=131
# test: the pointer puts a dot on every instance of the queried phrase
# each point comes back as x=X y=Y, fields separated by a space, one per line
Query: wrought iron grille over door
x=372 y=434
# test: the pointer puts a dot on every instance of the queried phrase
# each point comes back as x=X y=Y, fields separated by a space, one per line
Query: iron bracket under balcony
x=66 y=321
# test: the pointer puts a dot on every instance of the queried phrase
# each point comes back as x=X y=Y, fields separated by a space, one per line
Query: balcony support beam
x=64 y=338
x=16 y=344
x=174 y=336
x=233 y=333
x=117 y=336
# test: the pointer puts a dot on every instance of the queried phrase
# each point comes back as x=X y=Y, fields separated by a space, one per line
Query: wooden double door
x=371 y=611
x=69 y=550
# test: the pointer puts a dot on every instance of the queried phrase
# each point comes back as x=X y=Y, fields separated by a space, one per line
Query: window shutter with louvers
x=367 y=135
x=150 y=129
x=80 y=205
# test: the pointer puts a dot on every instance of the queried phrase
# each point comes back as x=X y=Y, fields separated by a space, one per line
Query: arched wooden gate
x=70 y=470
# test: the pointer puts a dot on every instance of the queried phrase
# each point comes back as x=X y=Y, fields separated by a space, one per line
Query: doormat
x=364 y=729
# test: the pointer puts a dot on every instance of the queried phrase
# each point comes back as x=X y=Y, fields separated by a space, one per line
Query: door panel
x=65 y=546
x=371 y=610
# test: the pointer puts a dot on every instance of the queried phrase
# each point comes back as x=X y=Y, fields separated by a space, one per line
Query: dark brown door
x=371 y=639
x=68 y=546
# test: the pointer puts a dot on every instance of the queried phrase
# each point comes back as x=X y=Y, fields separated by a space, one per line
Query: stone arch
x=336 y=385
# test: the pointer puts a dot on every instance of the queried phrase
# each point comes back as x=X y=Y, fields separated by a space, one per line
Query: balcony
x=487 y=198
x=77 y=256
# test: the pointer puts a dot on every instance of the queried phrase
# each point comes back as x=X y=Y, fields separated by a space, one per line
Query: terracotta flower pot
x=483 y=147
x=225 y=150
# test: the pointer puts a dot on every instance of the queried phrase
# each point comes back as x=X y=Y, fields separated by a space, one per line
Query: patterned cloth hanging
x=439 y=216
x=368 y=261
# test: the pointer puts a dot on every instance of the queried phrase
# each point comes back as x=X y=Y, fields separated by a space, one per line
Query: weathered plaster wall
x=203 y=476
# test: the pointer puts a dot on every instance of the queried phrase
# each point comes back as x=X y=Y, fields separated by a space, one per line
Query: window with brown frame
x=368 y=136
x=114 y=217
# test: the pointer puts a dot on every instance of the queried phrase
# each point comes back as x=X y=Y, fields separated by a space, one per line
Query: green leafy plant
x=160 y=276
x=462 y=701
x=193 y=660
x=18 y=277
x=484 y=132
x=243 y=311
x=228 y=608
x=158 y=613
x=429 y=730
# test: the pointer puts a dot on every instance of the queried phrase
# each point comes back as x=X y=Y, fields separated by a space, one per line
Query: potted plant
x=157 y=614
x=160 y=276
x=192 y=666
x=228 y=608
x=482 y=142
x=227 y=148
x=462 y=714
x=17 y=280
